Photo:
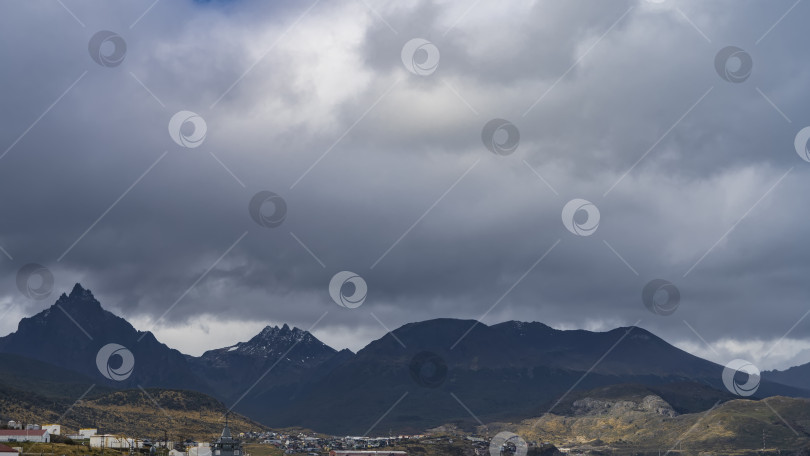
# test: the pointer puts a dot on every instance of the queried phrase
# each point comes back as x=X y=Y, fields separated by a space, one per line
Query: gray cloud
x=283 y=90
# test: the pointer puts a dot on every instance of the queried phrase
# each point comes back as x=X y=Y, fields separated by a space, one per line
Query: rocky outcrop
x=651 y=404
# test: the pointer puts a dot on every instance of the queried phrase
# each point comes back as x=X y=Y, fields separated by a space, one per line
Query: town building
x=114 y=441
x=200 y=450
x=226 y=445
x=25 y=435
x=86 y=433
x=53 y=429
x=6 y=450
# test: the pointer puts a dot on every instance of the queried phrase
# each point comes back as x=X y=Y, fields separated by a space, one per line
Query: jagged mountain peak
x=72 y=332
x=79 y=291
x=79 y=311
x=275 y=334
x=274 y=341
x=271 y=331
x=80 y=298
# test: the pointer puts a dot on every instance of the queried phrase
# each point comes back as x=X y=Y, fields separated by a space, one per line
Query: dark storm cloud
x=618 y=78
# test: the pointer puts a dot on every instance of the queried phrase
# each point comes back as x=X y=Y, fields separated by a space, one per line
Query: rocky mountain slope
x=633 y=422
x=504 y=371
x=422 y=375
x=269 y=371
x=71 y=333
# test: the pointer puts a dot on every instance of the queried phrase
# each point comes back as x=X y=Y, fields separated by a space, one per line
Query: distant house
x=25 y=435
x=6 y=450
x=199 y=451
x=53 y=429
x=114 y=441
x=88 y=432
x=14 y=425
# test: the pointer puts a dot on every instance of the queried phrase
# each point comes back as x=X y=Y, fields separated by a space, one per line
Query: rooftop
x=23 y=431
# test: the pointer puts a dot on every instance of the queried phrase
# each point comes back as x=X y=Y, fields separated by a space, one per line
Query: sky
x=209 y=168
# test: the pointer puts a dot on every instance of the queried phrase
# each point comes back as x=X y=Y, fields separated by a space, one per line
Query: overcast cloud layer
x=384 y=172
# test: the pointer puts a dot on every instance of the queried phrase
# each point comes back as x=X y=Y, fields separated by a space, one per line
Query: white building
x=25 y=435
x=53 y=429
x=86 y=433
x=114 y=441
x=6 y=450
x=200 y=450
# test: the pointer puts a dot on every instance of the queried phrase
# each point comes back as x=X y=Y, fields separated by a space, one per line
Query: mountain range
x=421 y=375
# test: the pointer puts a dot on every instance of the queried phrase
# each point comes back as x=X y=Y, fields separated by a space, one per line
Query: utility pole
x=763 y=439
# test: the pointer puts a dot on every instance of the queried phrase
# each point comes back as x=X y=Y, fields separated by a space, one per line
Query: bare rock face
x=659 y=406
x=589 y=406
x=650 y=404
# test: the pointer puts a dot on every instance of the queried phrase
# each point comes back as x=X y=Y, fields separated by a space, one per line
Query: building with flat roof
x=114 y=441
x=200 y=451
x=53 y=429
x=88 y=432
x=25 y=435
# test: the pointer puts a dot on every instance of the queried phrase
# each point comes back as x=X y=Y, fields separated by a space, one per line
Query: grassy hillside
x=61 y=449
x=634 y=425
x=147 y=413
